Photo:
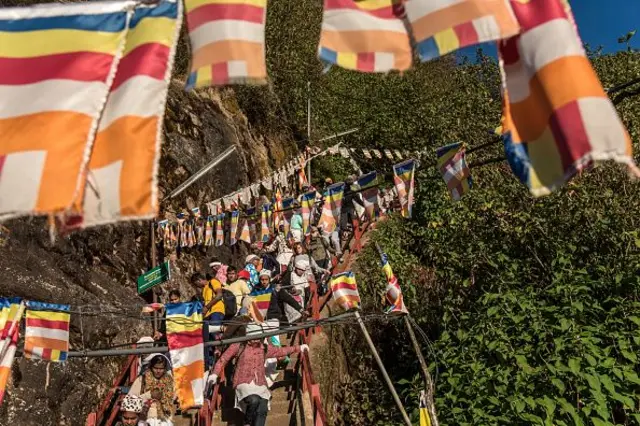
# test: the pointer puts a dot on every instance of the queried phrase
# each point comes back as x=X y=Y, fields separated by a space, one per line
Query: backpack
x=230 y=306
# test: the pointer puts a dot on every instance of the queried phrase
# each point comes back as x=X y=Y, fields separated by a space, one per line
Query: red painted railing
x=108 y=410
x=211 y=405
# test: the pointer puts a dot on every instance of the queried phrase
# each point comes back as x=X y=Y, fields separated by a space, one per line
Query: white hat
x=251 y=258
x=132 y=403
x=301 y=262
x=265 y=273
x=150 y=357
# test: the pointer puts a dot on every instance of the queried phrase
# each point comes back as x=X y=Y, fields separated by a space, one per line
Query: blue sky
x=600 y=22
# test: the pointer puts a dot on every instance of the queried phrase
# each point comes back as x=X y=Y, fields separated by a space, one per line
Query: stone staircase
x=286 y=403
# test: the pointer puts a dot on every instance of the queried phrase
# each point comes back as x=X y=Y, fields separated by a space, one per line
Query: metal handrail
x=127 y=375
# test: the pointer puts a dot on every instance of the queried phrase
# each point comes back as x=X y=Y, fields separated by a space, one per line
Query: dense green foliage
x=532 y=306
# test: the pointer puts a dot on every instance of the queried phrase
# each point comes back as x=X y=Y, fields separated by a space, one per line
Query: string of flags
x=106 y=77
x=261 y=221
x=295 y=167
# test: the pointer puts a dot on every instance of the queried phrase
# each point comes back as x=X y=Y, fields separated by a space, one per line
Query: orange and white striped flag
x=122 y=174
x=345 y=290
x=56 y=67
x=186 y=349
x=46 y=334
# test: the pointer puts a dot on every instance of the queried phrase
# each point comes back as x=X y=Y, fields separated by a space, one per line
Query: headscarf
x=132 y=404
x=253 y=275
x=164 y=385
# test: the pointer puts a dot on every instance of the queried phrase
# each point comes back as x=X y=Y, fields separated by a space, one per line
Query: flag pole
x=387 y=379
x=431 y=408
x=428 y=381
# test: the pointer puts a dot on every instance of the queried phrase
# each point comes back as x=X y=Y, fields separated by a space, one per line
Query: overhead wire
x=340 y=319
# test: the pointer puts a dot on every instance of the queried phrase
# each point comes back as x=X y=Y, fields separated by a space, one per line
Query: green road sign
x=153 y=277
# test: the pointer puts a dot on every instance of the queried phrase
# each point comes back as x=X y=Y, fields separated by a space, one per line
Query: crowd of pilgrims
x=282 y=267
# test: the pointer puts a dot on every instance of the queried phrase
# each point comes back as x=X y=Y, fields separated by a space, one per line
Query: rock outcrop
x=96 y=269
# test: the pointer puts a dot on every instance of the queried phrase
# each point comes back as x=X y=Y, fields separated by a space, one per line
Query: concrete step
x=282 y=394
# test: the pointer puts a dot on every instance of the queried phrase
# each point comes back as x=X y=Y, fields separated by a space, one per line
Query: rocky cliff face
x=97 y=268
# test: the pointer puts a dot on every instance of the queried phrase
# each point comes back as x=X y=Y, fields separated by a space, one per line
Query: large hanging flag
x=227 y=42
x=403 y=177
x=367 y=35
x=307 y=201
x=11 y=311
x=233 y=231
x=452 y=164
x=287 y=214
x=220 y=230
x=56 y=66
x=332 y=206
x=265 y=229
x=368 y=185
x=442 y=26
x=46 y=334
x=186 y=349
x=557 y=119
x=122 y=177
x=394 y=292
x=345 y=290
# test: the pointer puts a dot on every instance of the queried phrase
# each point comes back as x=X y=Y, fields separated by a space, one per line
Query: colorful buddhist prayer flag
x=403 y=177
x=56 y=66
x=332 y=206
x=345 y=290
x=208 y=232
x=442 y=26
x=122 y=177
x=260 y=306
x=368 y=185
x=307 y=201
x=452 y=164
x=234 y=227
x=265 y=229
x=220 y=230
x=557 y=119
x=11 y=311
x=251 y=221
x=46 y=334
x=394 y=292
x=227 y=41
x=186 y=350
x=367 y=35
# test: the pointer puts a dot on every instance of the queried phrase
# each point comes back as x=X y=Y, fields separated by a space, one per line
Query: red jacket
x=250 y=365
